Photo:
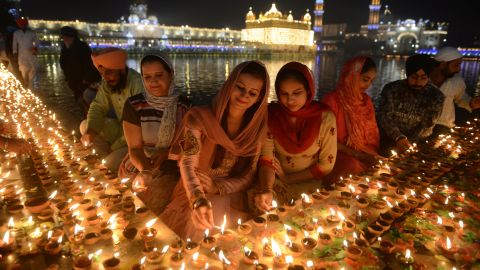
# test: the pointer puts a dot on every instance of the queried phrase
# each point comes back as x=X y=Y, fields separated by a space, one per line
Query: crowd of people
x=192 y=165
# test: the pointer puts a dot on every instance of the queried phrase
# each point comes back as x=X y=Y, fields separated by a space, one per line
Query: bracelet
x=201 y=202
x=265 y=190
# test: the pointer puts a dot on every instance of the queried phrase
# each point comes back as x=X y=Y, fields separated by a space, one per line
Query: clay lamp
x=341 y=186
x=176 y=259
x=406 y=259
x=387 y=217
x=294 y=248
x=361 y=202
x=319 y=196
x=225 y=236
x=209 y=242
x=191 y=247
x=348 y=226
x=46 y=180
x=281 y=211
x=449 y=230
x=387 y=246
x=37 y=204
x=292 y=234
x=78 y=196
x=290 y=205
x=385 y=225
x=99 y=190
x=295 y=267
x=6 y=244
x=78 y=234
x=142 y=212
x=383 y=192
x=363 y=187
x=353 y=252
x=278 y=259
x=380 y=204
x=57 y=234
x=91 y=238
x=53 y=248
x=400 y=193
x=375 y=229
x=243 y=228
x=82 y=263
x=413 y=203
x=324 y=238
x=421 y=199
x=344 y=205
x=308 y=242
x=267 y=248
x=111 y=264
x=345 y=195
x=271 y=218
x=128 y=207
x=130 y=233
x=396 y=212
x=106 y=234
x=14 y=209
x=306 y=200
x=250 y=256
x=446 y=248
x=260 y=266
x=392 y=185
x=338 y=232
x=45 y=214
x=405 y=206
x=94 y=220
x=333 y=218
x=259 y=221
x=177 y=246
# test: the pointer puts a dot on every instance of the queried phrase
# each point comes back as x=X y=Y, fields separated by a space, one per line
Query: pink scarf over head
x=363 y=134
x=208 y=119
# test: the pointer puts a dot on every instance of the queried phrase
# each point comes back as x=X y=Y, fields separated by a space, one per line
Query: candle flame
x=276 y=248
x=11 y=223
x=78 y=229
x=36 y=233
x=124 y=180
x=53 y=195
x=222 y=258
x=341 y=216
x=207 y=231
x=305 y=233
x=332 y=212
x=183 y=266
x=449 y=243
x=289 y=259
x=195 y=256
x=116 y=254
x=439 y=220
x=319 y=229
x=60 y=239
x=287 y=227
x=142 y=261
x=222 y=228
x=351 y=188
x=460 y=223
x=355 y=235
x=150 y=223
x=239 y=221
x=6 y=237
x=247 y=251
x=49 y=235
x=309 y=263
x=407 y=254
x=288 y=242
x=345 y=243
x=265 y=241
x=73 y=207
x=274 y=204
x=305 y=198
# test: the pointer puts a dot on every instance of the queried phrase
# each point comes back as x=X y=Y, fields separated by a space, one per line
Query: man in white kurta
x=24 y=47
x=446 y=77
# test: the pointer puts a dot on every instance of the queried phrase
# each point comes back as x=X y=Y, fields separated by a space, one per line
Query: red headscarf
x=22 y=22
x=298 y=138
x=360 y=120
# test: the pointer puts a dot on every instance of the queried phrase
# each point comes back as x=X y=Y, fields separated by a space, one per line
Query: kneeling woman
x=149 y=123
x=358 y=136
x=301 y=144
x=217 y=152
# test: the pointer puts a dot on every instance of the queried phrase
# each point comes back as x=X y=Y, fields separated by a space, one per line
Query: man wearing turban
x=24 y=48
x=410 y=107
x=445 y=76
x=118 y=84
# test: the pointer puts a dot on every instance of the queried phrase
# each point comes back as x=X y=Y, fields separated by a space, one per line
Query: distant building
x=277 y=30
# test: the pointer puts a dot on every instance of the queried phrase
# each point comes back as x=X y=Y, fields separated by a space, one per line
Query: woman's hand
x=370 y=159
x=263 y=201
x=142 y=181
x=403 y=144
x=202 y=218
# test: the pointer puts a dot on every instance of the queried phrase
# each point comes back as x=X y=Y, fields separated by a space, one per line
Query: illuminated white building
x=275 y=28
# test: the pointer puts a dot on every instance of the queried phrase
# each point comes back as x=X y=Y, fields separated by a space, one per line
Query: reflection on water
x=200 y=77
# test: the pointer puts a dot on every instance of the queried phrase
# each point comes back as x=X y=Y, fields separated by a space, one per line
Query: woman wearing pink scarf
x=357 y=132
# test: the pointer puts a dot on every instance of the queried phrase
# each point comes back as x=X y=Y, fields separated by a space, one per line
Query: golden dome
x=273 y=13
x=290 y=16
x=307 y=17
x=250 y=15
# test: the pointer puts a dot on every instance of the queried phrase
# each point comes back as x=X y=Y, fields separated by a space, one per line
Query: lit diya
x=250 y=257
x=208 y=242
x=243 y=228
x=308 y=242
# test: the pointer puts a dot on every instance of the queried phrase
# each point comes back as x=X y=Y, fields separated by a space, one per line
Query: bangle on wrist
x=201 y=202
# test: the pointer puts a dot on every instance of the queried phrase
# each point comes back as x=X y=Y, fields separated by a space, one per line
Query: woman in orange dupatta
x=357 y=132
x=217 y=151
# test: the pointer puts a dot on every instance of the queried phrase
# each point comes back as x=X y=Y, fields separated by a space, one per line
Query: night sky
x=461 y=14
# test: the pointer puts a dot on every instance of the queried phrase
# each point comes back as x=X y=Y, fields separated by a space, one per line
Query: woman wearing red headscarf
x=357 y=131
x=301 y=144
x=217 y=150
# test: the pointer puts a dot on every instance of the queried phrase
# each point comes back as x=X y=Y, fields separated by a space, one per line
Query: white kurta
x=23 y=43
x=454 y=91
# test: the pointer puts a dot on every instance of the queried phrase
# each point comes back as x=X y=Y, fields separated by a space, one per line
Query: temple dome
x=290 y=16
x=250 y=15
x=273 y=13
x=307 y=17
